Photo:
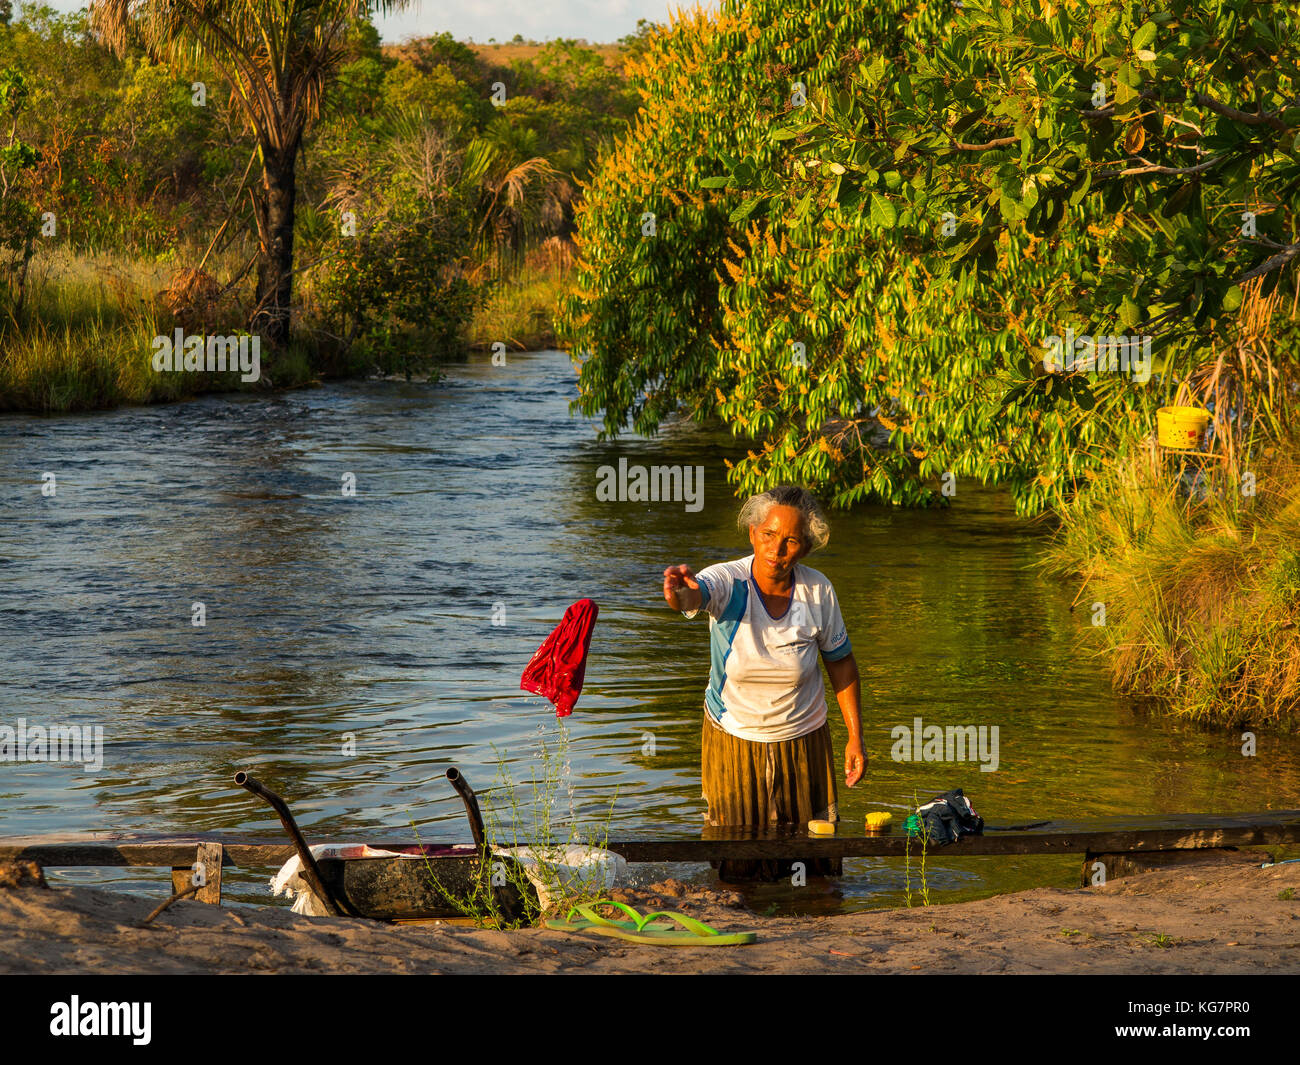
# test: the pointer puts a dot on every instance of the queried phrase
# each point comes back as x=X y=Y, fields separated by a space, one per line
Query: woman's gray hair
x=816 y=527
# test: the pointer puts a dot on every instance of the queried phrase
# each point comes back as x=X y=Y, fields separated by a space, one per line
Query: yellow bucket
x=1181 y=427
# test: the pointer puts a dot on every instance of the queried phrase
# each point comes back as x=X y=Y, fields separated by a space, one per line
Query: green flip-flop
x=654 y=929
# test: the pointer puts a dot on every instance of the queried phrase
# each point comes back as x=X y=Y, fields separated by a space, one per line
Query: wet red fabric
x=557 y=669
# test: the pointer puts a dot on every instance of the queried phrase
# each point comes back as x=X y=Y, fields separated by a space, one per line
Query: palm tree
x=277 y=56
x=519 y=192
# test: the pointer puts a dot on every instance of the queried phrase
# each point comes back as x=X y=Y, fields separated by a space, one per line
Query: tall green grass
x=83 y=339
x=520 y=309
x=80 y=341
x=1201 y=589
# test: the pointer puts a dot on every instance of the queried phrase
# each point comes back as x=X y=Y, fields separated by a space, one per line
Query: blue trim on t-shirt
x=722 y=633
x=794 y=583
x=842 y=651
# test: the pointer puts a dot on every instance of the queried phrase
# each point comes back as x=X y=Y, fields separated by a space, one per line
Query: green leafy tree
x=18 y=219
x=443 y=50
x=157 y=130
x=646 y=321
x=395 y=281
x=437 y=93
x=277 y=59
x=872 y=292
x=1153 y=156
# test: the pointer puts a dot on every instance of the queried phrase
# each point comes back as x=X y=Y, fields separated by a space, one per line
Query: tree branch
x=1268 y=265
x=999 y=142
x=1263 y=118
x=1152 y=168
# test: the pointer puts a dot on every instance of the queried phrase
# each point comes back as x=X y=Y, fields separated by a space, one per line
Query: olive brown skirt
x=789 y=782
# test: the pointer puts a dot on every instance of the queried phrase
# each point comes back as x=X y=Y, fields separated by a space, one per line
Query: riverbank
x=1193 y=585
x=1208 y=917
x=86 y=339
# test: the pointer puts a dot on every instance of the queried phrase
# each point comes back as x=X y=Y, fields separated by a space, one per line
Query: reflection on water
x=350 y=652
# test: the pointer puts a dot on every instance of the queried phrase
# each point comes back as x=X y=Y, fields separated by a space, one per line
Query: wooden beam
x=1079 y=841
x=173 y=853
x=1172 y=832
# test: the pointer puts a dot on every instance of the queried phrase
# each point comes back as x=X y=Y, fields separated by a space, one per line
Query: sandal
x=654 y=929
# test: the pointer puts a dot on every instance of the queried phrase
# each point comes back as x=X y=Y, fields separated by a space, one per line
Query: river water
x=356 y=645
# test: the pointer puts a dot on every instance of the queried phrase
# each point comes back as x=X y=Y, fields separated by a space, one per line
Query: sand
x=1214 y=917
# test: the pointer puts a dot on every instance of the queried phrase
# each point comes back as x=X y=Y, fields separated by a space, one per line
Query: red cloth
x=557 y=669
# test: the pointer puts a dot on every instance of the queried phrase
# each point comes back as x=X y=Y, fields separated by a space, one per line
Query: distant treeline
x=134 y=156
x=425 y=175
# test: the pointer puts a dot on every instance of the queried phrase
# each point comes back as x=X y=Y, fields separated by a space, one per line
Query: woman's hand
x=681 y=590
x=855 y=762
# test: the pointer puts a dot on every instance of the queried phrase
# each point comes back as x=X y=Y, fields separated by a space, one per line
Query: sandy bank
x=1235 y=918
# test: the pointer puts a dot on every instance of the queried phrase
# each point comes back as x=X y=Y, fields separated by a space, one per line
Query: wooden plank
x=210 y=857
x=1173 y=832
x=1102 y=868
x=897 y=846
x=168 y=853
x=205 y=871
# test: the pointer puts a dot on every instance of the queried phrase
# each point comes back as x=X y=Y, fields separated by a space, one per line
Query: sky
x=598 y=21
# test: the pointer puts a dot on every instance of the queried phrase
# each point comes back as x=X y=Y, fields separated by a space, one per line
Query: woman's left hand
x=855 y=762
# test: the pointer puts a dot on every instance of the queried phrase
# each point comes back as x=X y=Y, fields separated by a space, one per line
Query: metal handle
x=470 y=800
x=310 y=870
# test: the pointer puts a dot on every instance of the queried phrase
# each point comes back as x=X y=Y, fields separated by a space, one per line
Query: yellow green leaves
x=1145 y=34
x=1130 y=314
x=883 y=213
x=965 y=203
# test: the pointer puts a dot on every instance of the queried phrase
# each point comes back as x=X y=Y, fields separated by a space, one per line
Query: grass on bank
x=520 y=309
x=1201 y=589
x=84 y=339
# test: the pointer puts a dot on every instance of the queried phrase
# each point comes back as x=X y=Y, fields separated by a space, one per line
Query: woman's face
x=779 y=542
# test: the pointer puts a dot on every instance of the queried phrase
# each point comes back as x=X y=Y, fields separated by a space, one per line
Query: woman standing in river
x=767 y=757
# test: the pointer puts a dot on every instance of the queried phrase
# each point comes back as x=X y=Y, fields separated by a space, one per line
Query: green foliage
x=443 y=50
x=127 y=161
x=397 y=289
x=519 y=308
x=565 y=70
x=155 y=128
x=636 y=44
x=534 y=819
x=18 y=219
x=135 y=174
x=437 y=94
x=923 y=837
x=864 y=284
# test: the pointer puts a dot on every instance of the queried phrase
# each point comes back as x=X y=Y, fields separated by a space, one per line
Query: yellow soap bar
x=876 y=822
x=821 y=828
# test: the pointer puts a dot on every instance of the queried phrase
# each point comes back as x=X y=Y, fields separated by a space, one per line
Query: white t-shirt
x=765 y=681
